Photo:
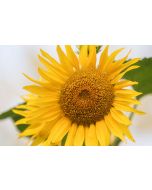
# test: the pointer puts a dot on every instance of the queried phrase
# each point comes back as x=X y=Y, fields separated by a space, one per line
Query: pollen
x=86 y=97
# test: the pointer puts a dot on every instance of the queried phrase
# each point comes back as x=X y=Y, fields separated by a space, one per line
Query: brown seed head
x=86 y=97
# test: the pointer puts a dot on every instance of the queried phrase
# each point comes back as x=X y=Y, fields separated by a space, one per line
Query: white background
x=16 y=60
x=75 y=22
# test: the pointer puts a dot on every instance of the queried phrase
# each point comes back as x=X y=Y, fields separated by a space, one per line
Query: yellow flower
x=79 y=99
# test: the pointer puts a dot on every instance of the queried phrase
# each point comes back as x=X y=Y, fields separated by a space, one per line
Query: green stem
x=9 y=113
x=98 y=48
x=15 y=117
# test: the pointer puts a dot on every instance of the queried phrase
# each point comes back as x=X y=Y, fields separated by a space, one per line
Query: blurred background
x=16 y=60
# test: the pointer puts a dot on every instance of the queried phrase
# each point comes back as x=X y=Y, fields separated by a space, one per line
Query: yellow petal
x=46 y=113
x=37 y=90
x=103 y=58
x=83 y=56
x=29 y=132
x=127 y=132
x=47 y=143
x=117 y=78
x=118 y=64
x=45 y=101
x=54 y=116
x=60 y=128
x=64 y=59
x=61 y=132
x=51 y=77
x=72 y=56
x=90 y=136
x=102 y=132
x=128 y=100
x=45 y=62
x=50 y=58
x=123 y=84
x=37 y=81
x=110 y=59
x=114 y=127
x=131 y=62
x=71 y=135
x=23 y=107
x=53 y=63
x=124 y=92
x=92 y=56
x=58 y=70
x=79 y=137
x=20 y=112
x=37 y=141
x=45 y=84
x=123 y=107
x=120 y=117
x=21 y=121
x=123 y=67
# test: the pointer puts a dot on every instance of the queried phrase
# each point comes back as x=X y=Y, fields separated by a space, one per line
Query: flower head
x=78 y=99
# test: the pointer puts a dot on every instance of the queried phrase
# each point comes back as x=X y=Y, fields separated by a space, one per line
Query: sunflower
x=78 y=100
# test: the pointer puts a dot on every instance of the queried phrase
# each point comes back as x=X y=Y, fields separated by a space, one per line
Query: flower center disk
x=86 y=97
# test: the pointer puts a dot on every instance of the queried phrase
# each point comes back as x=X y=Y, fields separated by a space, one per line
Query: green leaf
x=143 y=75
x=64 y=140
x=15 y=117
x=98 y=48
